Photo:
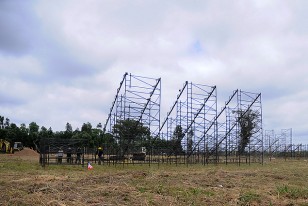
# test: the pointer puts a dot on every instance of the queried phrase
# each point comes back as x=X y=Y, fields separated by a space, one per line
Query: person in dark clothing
x=69 y=155
x=99 y=153
x=78 y=156
x=60 y=155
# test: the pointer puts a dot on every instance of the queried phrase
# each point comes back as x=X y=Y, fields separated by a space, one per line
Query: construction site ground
x=23 y=181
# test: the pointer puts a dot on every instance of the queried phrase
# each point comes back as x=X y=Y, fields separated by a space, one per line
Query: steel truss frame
x=227 y=145
x=252 y=102
x=138 y=98
x=49 y=148
x=206 y=135
x=281 y=145
x=194 y=111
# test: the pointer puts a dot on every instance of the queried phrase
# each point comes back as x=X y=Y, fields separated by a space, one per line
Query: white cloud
x=76 y=56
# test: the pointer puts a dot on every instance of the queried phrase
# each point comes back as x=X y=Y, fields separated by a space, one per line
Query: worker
x=99 y=153
x=60 y=155
x=69 y=155
x=78 y=156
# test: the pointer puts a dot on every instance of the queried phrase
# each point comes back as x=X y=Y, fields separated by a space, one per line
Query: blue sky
x=62 y=61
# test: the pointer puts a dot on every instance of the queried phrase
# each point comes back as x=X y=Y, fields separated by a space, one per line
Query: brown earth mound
x=27 y=154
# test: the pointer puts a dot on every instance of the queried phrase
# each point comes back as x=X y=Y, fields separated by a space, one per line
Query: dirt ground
x=25 y=154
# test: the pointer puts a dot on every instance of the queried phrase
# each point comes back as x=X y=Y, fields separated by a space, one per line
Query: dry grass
x=25 y=182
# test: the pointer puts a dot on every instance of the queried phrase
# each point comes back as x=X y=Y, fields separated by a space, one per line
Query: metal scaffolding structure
x=281 y=145
x=286 y=136
x=252 y=105
x=193 y=131
x=271 y=143
x=192 y=114
x=241 y=109
x=138 y=98
x=79 y=150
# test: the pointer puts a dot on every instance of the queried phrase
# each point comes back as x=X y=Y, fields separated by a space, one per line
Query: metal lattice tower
x=138 y=98
x=228 y=140
x=193 y=131
x=194 y=111
x=270 y=143
x=286 y=135
x=252 y=102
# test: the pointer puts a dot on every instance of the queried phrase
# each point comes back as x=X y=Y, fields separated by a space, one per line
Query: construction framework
x=79 y=150
x=192 y=114
x=281 y=145
x=138 y=98
x=193 y=131
x=243 y=109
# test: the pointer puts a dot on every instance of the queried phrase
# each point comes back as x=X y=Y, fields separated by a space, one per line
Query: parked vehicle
x=18 y=146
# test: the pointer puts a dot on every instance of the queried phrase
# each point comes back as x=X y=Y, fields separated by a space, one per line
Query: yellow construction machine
x=5 y=146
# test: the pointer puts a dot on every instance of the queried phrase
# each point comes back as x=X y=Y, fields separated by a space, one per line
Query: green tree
x=24 y=133
x=7 y=123
x=130 y=132
x=1 y=122
x=76 y=133
x=248 y=126
x=59 y=135
x=13 y=133
x=162 y=144
x=86 y=133
x=91 y=135
x=190 y=141
x=68 y=131
x=88 y=137
x=50 y=133
x=33 y=134
x=3 y=133
x=43 y=133
x=86 y=127
x=96 y=136
x=108 y=140
x=177 y=139
x=99 y=126
x=33 y=128
x=68 y=127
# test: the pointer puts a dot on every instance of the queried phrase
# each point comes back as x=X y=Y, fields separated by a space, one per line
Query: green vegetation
x=128 y=132
x=248 y=123
x=249 y=197
x=293 y=192
x=31 y=135
x=126 y=135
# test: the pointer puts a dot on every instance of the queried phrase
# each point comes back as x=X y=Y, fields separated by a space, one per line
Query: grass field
x=279 y=182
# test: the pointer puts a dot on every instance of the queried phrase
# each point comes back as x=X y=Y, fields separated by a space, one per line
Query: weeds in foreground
x=292 y=192
x=249 y=197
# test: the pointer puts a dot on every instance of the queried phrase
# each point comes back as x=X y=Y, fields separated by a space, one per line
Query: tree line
x=30 y=135
x=125 y=134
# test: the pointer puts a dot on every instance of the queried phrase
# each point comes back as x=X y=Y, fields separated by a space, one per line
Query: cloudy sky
x=62 y=61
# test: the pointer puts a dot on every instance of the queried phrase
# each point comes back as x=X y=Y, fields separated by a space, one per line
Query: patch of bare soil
x=26 y=154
